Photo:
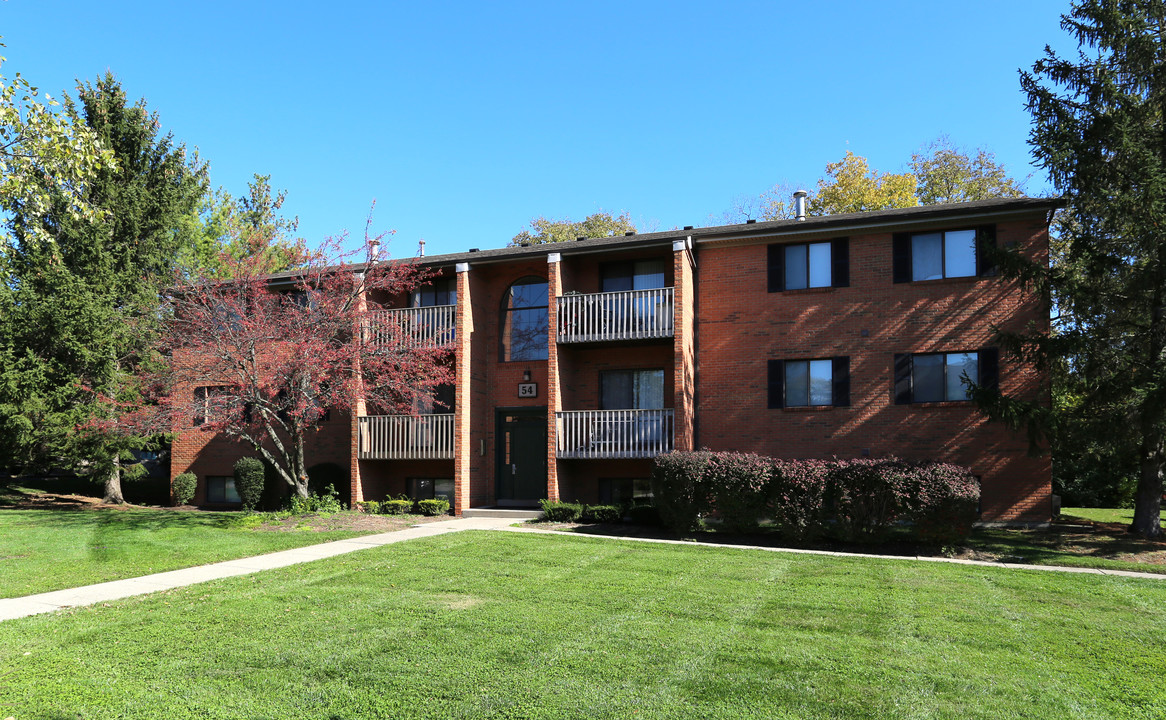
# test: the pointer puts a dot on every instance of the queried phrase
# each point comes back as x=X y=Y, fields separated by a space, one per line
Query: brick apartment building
x=576 y=363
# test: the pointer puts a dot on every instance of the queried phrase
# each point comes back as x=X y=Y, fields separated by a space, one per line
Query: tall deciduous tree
x=265 y=363
x=950 y=174
x=45 y=156
x=1099 y=128
x=851 y=186
x=83 y=290
x=600 y=224
x=229 y=229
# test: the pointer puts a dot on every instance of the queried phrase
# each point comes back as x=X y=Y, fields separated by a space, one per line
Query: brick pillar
x=359 y=408
x=683 y=344
x=554 y=402
x=462 y=448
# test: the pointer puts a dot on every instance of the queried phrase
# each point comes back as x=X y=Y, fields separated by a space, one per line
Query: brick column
x=464 y=329
x=554 y=402
x=683 y=344
x=358 y=408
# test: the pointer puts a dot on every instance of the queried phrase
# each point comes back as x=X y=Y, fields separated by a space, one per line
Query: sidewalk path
x=11 y=608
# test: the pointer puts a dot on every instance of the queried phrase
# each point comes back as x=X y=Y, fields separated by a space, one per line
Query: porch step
x=512 y=513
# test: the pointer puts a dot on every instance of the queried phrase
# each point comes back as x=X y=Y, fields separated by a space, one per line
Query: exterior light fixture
x=526 y=376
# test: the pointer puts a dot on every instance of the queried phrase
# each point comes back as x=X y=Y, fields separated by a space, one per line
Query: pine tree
x=82 y=295
x=1099 y=128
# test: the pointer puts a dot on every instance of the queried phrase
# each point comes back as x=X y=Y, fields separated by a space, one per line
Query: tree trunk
x=1148 y=498
x=113 y=484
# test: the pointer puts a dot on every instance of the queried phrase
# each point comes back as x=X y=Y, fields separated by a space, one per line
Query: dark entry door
x=522 y=456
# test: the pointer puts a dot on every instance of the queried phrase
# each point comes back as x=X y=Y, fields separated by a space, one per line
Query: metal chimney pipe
x=421 y=248
x=374 y=249
x=800 y=204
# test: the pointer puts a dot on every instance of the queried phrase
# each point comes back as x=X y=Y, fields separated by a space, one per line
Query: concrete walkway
x=11 y=608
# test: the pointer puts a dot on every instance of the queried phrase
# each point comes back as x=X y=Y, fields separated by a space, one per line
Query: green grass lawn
x=504 y=625
x=1124 y=516
x=43 y=550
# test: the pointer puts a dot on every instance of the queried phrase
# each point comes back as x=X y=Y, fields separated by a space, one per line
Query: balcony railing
x=414 y=327
x=592 y=434
x=627 y=315
x=406 y=437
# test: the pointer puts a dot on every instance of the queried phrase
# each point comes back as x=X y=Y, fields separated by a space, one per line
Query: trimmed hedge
x=860 y=499
x=602 y=514
x=185 y=485
x=398 y=506
x=249 y=477
x=555 y=511
x=432 y=508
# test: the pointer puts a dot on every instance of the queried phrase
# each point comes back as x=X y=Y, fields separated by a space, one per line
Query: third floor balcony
x=623 y=315
x=430 y=326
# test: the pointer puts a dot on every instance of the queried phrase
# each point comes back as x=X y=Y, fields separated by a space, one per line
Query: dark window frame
x=839 y=264
x=507 y=325
x=839 y=382
x=987 y=367
x=902 y=261
x=635 y=400
x=219 y=496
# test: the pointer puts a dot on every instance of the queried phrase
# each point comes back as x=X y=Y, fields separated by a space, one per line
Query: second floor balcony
x=599 y=434
x=406 y=437
x=624 y=315
x=431 y=326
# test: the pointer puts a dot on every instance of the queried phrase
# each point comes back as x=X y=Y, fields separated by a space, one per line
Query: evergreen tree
x=1099 y=128
x=82 y=293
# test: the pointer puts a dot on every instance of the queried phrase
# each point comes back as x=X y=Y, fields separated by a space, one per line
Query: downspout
x=690 y=251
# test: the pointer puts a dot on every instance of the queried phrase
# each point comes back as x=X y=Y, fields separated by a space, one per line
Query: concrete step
x=512 y=513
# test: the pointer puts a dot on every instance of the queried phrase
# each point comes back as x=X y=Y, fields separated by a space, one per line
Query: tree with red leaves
x=263 y=358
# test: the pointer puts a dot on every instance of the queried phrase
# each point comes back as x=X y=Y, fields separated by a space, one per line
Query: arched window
x=524 y=320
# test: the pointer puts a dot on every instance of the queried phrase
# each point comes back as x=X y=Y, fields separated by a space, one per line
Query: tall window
x=525 y=320
x=631 y=389
x=221 y=489
x=439 y=401
x=441 y=291
x=636 y=275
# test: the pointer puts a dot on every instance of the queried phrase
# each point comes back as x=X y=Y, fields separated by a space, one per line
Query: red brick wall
x=204 y=453
x=870 y=322
x=387 y=478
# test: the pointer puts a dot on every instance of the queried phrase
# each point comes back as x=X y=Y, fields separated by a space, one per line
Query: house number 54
x=527 y=390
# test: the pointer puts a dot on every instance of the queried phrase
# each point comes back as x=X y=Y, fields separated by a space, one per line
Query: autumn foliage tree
x=598 y=224
x=263 y=359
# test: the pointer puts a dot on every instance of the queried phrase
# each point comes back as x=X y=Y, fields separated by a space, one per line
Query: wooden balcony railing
x=594 y=434
x=414 y=327
x=406 y=437
x=628 y=315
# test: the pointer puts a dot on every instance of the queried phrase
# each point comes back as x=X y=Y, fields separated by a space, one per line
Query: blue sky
x=465 y=120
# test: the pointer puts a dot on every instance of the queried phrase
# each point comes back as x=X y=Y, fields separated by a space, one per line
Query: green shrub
x=797 y=494
x=432 y=508
x=946 y=501
x=643 y=515
x=737 y=483
x=397 y=506
x=372 y=507
x=325 y=504
x=557 y=511
x=678 y=489
x=185 y=485
x=602 y=514
x=249 y=477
